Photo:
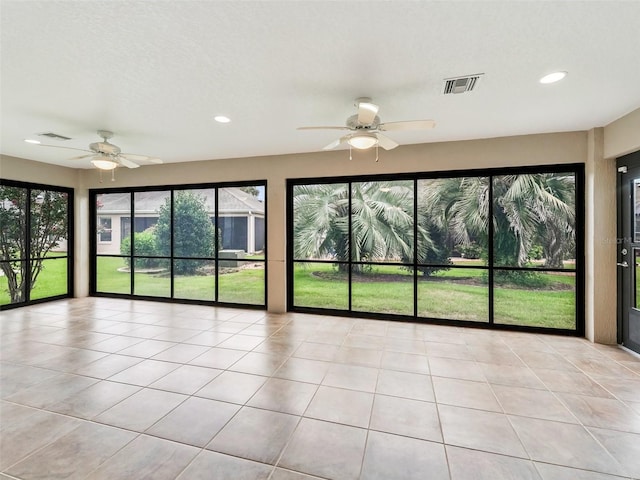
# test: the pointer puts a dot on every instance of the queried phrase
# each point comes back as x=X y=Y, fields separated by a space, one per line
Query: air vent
x=54 y=136
x=461 y=84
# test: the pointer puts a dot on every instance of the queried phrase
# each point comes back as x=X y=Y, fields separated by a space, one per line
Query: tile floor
x=116 y=389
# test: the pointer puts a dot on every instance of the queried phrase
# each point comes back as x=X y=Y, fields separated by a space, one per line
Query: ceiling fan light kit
x=105 y=155
x=367 y=128
x=104 y=163
x=363 y=141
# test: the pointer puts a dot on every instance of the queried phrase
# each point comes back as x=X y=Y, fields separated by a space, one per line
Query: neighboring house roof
x=230 y=199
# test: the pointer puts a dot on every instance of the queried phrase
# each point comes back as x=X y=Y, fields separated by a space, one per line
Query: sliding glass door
x=35 y=263
x=197 y=243
x=501 y=248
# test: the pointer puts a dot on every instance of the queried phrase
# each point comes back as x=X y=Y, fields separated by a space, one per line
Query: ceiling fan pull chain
x=376 y=153
x=100 y=173
x=350 y=157
x=113 y=175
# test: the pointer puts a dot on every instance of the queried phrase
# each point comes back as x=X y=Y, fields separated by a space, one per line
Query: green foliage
x=193 y=231
x=382 y=224
x=144 y=246
x=536 y=252
x=472 y=250
x=521 y=279
x=48 y=227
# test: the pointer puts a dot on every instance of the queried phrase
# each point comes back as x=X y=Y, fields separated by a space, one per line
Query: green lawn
x=243 y=286
x=460 y=294
x=51 y=282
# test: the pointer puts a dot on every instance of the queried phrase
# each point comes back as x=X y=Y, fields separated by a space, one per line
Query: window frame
x=171 y=258
x=70 y=230
x=575 y=169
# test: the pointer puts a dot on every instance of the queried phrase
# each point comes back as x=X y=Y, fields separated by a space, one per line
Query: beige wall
x=473 y=154
x=622 y=136
x=556 y=148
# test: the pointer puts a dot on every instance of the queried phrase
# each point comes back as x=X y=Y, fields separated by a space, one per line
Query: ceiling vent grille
x=54 y=136
x=461 y=84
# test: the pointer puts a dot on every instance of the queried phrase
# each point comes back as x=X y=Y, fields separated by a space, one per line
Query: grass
x=51 y=282
x=242 y=286
x=453 y=294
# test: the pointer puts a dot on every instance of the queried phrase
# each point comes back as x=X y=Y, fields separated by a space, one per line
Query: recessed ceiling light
x=221 y=119
x=30 y=140
x=553 y=77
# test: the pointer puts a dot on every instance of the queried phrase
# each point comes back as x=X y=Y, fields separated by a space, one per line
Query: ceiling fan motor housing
x=105 y=148
x=352 y=123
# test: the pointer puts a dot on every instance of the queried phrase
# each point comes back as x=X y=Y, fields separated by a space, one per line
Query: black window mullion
x=171 y=252
x=415 y=247
x=490 y=259
x=215 y=242
x=349 y=247
x=132 y=230
x=26 y=281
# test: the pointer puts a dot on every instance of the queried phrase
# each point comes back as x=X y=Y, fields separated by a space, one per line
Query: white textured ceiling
x=157 y=72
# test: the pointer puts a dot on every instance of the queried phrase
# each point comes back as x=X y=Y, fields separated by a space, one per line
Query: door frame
x=623 y=165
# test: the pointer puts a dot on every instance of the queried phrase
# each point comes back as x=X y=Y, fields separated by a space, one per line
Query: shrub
x=472 y=250
x=145 y=246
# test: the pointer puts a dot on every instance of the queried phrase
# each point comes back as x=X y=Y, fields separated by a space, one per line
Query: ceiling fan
x=107 y=156
x=365 y=128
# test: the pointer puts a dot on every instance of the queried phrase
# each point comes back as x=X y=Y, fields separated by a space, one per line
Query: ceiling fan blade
x=385 y=142
x=127 y=163
x=407 y=125
x=323 y=128
x=139 y=158
x=367 y=113
x=66 y=148
x=82 y=157
x=134 y=157
x=335 y=143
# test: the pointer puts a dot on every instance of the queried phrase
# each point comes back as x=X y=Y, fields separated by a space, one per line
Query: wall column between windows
x=81 y=253
x=276 y=245
x=600 y=238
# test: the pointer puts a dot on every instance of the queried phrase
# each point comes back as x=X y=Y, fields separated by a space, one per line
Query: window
x=104 y=229
x=35 y=262
x=500 y=248
x=202 y=243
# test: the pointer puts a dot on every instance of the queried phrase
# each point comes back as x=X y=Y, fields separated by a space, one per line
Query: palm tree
x=527 y=208
x=382 y=222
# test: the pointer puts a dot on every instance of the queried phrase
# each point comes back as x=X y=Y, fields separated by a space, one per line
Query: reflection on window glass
x=636 y=277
